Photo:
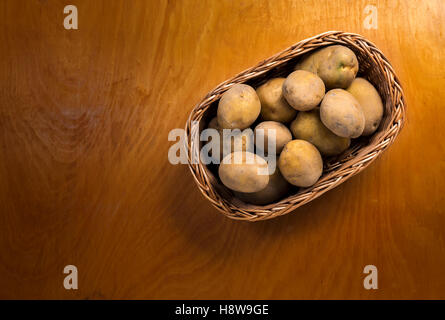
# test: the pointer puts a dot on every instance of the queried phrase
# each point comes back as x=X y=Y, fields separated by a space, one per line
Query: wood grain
x=85 y=179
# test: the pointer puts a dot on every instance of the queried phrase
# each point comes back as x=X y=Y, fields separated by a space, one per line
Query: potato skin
x=274 y=106
x=300 y=163
x=276 y=189
x=303 y=90
x=370 y=101
x=213 y=124
x=238 y=107
x=282 y=135
x=243 y=176
x=341 y=113
x=336 y=65
x=309 y=127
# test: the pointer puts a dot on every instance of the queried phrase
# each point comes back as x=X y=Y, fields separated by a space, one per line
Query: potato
x=244 y=172
x=273 y=105
x=341 y=113
x=213 y=124
x=303 y=90
x=239 y=141
x=238 y=107
x=282 y=135
x=300 y=163
x=276 y=189
x=370 y=101
x=308 y=126
x=336 y=65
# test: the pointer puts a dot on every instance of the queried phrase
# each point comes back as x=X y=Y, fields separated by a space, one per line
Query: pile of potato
x=315 y=113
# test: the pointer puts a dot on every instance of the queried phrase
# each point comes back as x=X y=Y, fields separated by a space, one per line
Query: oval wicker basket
x=373 y=66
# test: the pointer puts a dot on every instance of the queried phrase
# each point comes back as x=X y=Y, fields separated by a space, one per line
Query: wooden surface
x=85 y=179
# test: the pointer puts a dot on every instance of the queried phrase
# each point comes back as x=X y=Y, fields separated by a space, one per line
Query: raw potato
x=276 y=189
x=300 y=163
x=308 y=126
x=370 y=101
x=213 y=124
x=303 y=90
x=341 y=113
x=337 y=65
x=282 y=135
x=239 y=173
x=245 y=144
x=273 y=105
x=238 y=107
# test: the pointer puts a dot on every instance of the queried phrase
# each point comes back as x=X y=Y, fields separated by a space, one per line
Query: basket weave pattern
x=373 y=66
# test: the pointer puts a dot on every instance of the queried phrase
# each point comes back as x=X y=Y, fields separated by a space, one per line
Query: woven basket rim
x=358 y=159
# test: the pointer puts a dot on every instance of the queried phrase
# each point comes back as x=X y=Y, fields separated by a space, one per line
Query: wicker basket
x=373 y=66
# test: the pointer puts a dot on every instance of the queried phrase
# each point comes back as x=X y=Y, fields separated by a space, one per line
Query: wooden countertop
x=85 y=179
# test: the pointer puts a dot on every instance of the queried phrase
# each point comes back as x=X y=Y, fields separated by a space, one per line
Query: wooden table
x=85 y=179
